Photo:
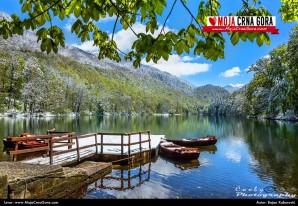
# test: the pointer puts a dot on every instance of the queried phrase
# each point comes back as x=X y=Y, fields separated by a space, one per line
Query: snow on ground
x=113 y=150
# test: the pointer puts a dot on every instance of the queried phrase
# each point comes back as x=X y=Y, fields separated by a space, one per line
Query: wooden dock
x=67 y=148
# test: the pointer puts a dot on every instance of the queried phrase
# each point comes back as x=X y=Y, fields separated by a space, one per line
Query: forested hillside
x=211 y=93
x=35 y=82
x=273 y=91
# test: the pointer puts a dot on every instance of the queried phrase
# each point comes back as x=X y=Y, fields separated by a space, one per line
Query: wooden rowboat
x=203 y=141
x=9 y=143
x=30 y=144
x=178 y=152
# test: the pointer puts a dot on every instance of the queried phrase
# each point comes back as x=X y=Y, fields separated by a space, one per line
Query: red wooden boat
x=8 y=143
x=203 y=141
x=176 y=151
x=31 y=144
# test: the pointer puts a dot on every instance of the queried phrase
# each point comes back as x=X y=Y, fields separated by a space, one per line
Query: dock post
x=51 y=150
x=122 y=180
x=101 y=142
x=121 y=145
x=69 y=141
x=140 y=143
x=128 y=145
x=78 y=148
x=15 y=148
x=140 y=174
x=96 y=149
x=149 y=170
x=128 y=180
x=149 y=139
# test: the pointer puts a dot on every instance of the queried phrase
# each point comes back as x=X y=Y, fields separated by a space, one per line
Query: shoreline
x=289 y=118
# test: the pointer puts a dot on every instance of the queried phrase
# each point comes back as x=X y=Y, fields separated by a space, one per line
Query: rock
x=31 y=181
x=3 y=186
x=92 y=168
x=16 y=170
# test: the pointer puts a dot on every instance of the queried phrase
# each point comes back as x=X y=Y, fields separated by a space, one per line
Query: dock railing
x=45 y=138
x=65 y=139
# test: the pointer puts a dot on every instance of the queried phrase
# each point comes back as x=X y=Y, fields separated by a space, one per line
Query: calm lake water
x=252 y=158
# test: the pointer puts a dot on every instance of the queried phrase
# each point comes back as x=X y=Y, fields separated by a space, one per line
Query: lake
x=252 y=158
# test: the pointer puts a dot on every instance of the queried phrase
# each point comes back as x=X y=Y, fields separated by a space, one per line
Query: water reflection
x=123 y=179
x=249 y=153
x=20 y=156
x=275 y=152
x=211 y=149
x=181 y=164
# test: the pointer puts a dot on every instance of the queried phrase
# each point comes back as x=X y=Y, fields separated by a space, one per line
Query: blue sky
x=195 y=69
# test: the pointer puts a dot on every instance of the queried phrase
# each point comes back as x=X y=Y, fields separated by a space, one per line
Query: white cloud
x=189 y=58
x=125 y=38
x=87 y=46
x=70 y=22
x=231 y=72
x=176 y=65
x=67 y=26
x=247 y=69
x=237 y=85
x=179 y=66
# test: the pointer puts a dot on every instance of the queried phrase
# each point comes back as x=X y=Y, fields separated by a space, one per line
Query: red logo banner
x=271 y=29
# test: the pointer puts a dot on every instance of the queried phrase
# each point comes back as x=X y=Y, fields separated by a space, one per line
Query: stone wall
x=26 y=181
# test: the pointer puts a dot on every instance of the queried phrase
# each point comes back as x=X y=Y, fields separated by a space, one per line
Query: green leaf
x=179 y=47
x=235 y=38
x=49 y=45
x=77 y=12
x=55 y=48
x=266 y=39
x=148 y=58
x=251 y=36
x=95 y=14
x=77 y=9
x=143 y=12
x=62 y=14
x=259 y=41
x=70 y=8
x=159 y=7
x=243 y=36
x=76 y=27
x=165 y=56
x=43 y=46
x=136 y=64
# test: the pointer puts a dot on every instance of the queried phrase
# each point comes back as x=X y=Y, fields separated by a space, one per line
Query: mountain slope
x=4 y=15
x=28 y=42
x=233 y=87
x=209 y=93
x=76 y=81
